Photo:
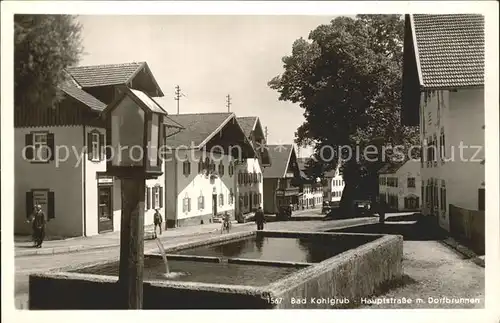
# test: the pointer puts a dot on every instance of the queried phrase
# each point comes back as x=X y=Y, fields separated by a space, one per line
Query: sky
x=209 y=57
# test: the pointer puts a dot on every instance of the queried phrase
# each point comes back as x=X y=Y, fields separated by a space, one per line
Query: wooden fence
x=468 y=226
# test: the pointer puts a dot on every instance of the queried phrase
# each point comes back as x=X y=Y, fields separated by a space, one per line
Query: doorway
x=214 y=204
x=250 y=201
x=105 y=209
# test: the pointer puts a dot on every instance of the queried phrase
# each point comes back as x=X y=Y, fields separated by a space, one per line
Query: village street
x=443 y=275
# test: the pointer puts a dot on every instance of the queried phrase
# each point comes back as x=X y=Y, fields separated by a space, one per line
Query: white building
x=443 y=92
x=400 y=185
x=200 y=176
x=71 y=184
x=312 y=190
x=334 y=185
x=250 y=183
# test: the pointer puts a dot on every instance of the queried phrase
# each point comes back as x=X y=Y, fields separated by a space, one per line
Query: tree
x=44 y=45
x=347 y=77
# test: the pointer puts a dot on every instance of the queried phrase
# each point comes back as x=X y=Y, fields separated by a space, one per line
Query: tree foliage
x=347 y=78
x=44 y=45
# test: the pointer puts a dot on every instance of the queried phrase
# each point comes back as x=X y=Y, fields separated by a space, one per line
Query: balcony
x=290 y=191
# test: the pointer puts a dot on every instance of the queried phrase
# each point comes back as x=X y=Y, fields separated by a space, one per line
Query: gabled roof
x=109 y=74
x=449 y=50
x=148 y=101
x=247 y=124
x=280 y=156
x=72 y=90
x=199 y=128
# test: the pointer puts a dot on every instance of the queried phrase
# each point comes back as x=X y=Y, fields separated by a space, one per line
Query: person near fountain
x=260 y=219
x=380 y=207
x=158 y=220
x=37 y=220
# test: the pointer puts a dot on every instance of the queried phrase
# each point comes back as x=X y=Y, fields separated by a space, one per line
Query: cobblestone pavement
x=39 y=263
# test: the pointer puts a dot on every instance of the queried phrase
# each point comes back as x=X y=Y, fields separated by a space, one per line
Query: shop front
x=105 y=203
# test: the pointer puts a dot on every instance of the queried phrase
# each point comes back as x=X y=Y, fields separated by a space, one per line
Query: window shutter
x=148 y=198
x=90 y=155
x=51 y=206
x=481 y=199
x=29 y=146
x=161 y=196
x=189 y=204
x=50 y=144
x=102 y=147
x=29 y=203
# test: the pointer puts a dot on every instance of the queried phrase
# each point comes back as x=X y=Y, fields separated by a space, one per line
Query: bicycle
x=226 y=226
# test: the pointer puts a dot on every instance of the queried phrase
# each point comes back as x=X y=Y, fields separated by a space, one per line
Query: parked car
x=326 y=208
x=284 y=212
x=363 y=208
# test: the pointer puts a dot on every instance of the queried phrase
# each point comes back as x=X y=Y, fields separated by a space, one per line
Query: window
x=442 y=145
x=255 y=199
x=200 y=166
x=201 y=202
x=157 y=197
x=186 y=204
x=411 y=182
x=231 y=169
x=221 y=169
x=43 y=197
x=245 y=199
x=436 y=197
x=95 y=145
x=260 y=177
x=39 y=147
x=443 y=199
x=212 y=166
x=147 y=199
x=434 y=151
x=231 y=196
x=186 y=168
x=221 y=199
x=260 y=198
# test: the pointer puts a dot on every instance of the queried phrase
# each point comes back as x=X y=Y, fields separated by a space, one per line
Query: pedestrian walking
x=38 y=222
x=158 y=220
x=381 y=206
x=260 y=219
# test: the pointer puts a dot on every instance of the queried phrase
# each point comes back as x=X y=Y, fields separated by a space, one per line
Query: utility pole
x=228 y=103
x=178 y=96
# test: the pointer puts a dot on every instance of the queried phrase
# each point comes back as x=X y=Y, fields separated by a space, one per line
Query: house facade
x=443 y=93
x=312 y=190
x=249 y=181
x=281 y=179
x=400 y=185
x=60 y=157
x=200 y=167
x=336 y=184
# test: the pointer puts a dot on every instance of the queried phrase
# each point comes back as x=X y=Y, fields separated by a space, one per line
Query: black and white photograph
x=194 y=156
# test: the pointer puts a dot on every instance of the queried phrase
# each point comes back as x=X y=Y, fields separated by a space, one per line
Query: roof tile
x=197 y=127
x=450 y=49
x=247 y=124
x=279 y=155
x=75 y=92
x=104 y=75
